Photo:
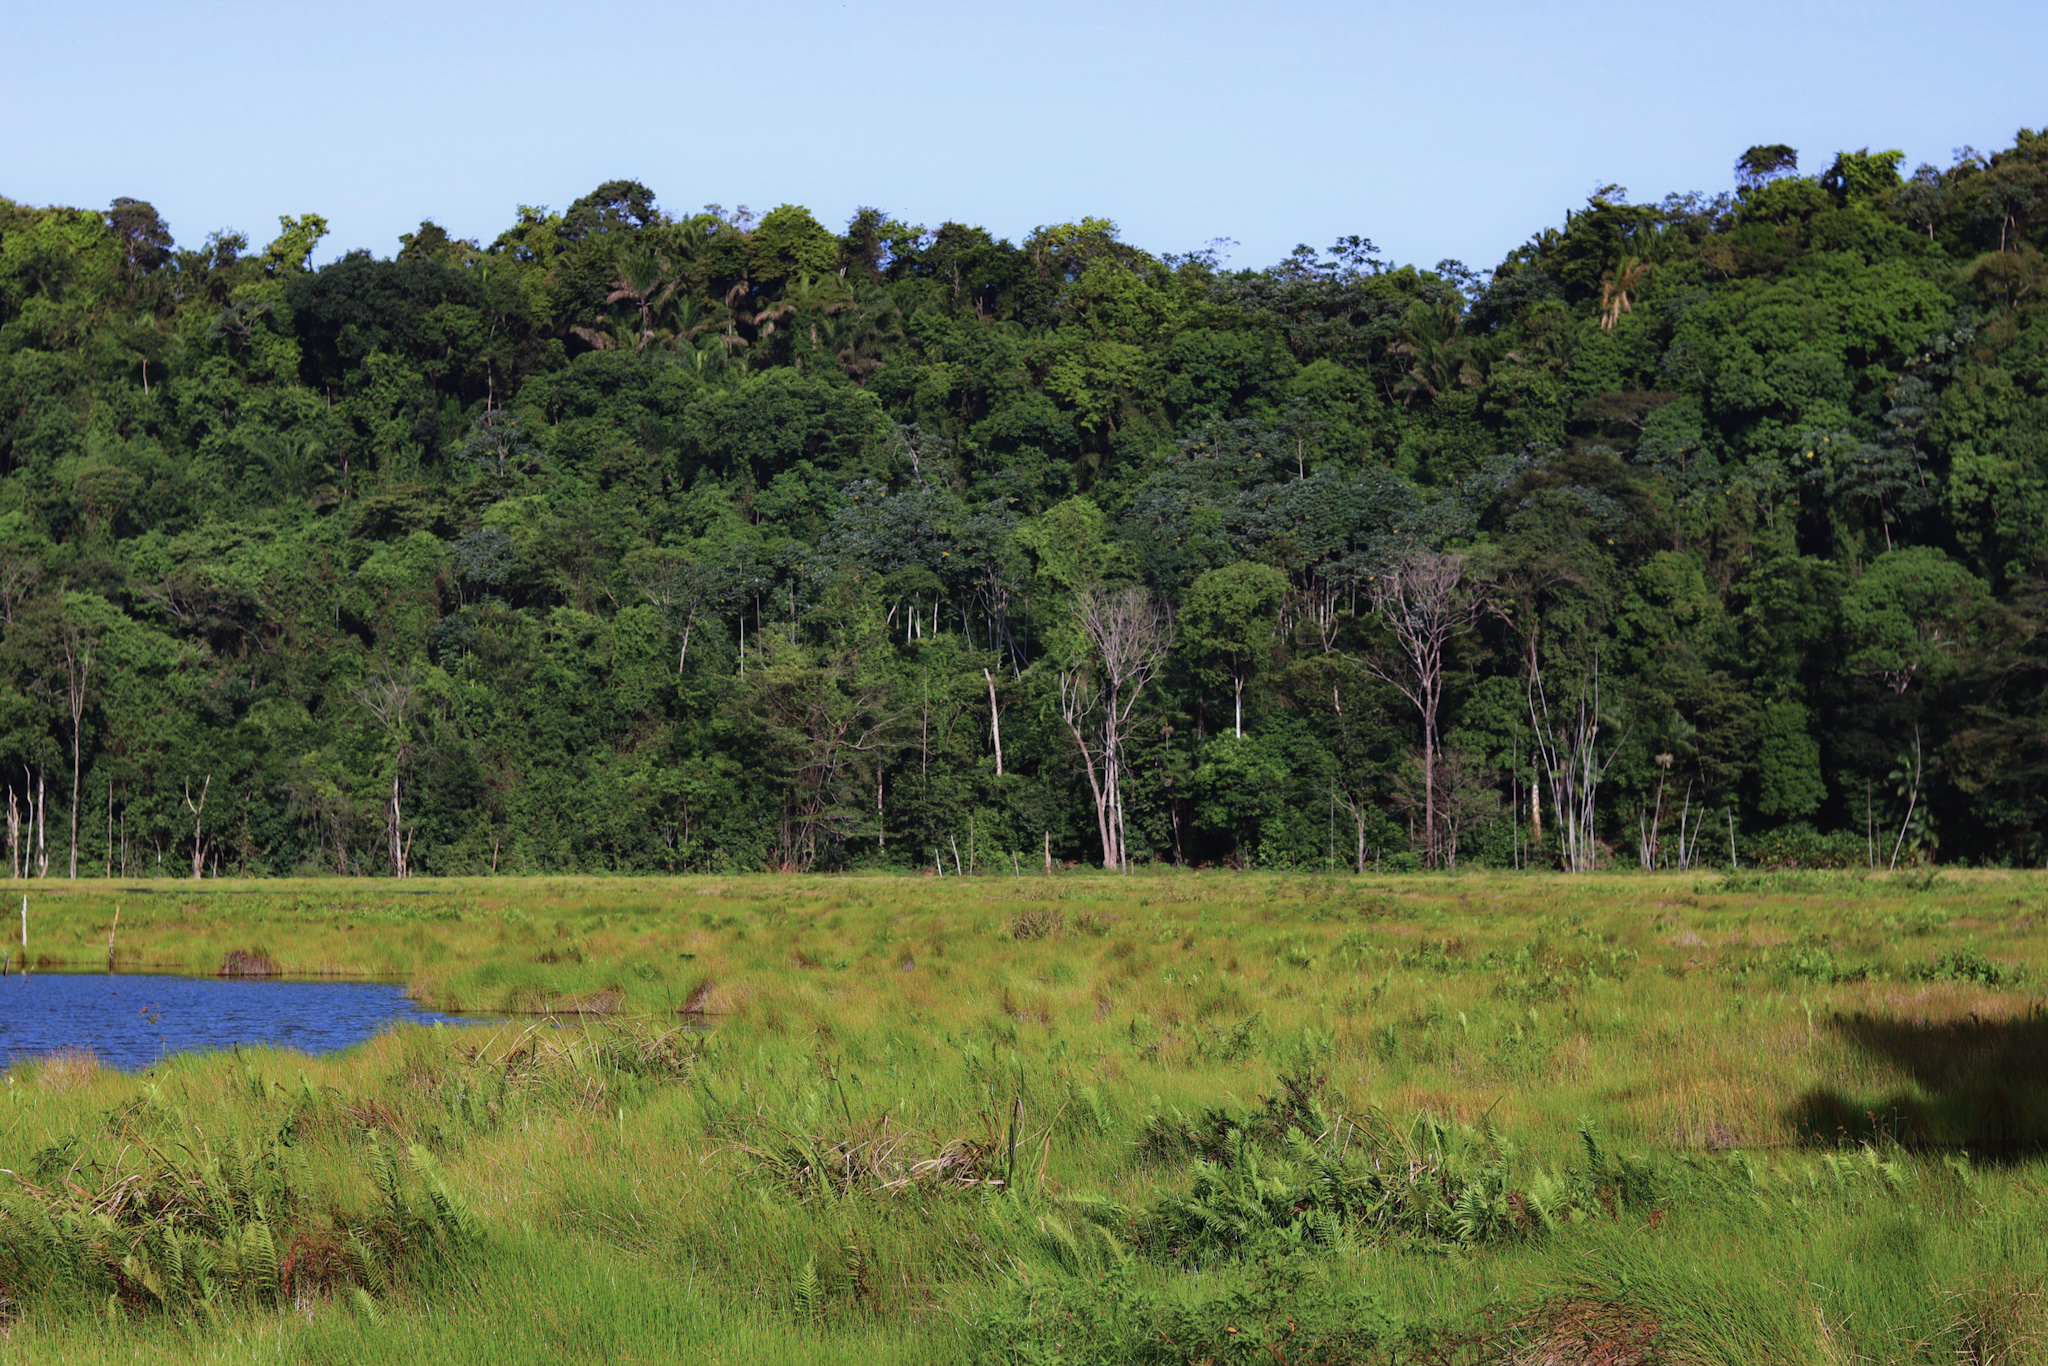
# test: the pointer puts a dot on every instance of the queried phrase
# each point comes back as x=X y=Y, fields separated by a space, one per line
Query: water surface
x=131 y=1019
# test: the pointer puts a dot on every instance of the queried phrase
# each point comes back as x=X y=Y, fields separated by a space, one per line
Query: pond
x=131 y=1019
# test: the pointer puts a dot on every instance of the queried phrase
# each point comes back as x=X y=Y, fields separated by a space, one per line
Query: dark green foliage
x=1787 y=763
x=194 y=1234
x=640 y=540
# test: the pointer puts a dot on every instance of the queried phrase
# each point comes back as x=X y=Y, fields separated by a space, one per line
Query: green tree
x=1910 y=615
x=1788 y=763
x=1230 y=625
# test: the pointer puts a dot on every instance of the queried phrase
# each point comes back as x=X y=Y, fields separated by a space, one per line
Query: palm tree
x=1437 y=355
x=814 y=299
x=644 y=281
x=817 y=297
x=858 y=335
x=734 y=297
x=1617 y=285
x=687 y=317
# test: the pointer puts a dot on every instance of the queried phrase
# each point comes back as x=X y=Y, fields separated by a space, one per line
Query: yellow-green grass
x=1817 y=1103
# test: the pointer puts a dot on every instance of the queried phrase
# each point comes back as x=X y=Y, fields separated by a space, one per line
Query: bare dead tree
x=995 y=720
x=1360 y=811
x=388 y=699
x=198 y=810
x=912 y=443
x=1080 y=707
x=1317 y=607
x=1129 y=634
x=1465 y=797
x=826 y=727
x=1688 y=845
x=78 y=648
x=18 y=579
x=1423 y=605
x=1914 y=775
x=1568 y=755
x=683 y=590
x=1650 y=821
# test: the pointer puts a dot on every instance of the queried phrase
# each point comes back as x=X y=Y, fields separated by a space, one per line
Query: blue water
x=131 y=1019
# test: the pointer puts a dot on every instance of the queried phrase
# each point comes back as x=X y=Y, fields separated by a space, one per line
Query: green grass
x=1172 y=1118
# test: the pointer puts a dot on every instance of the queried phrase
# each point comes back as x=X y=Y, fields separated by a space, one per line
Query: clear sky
x=1435 y=130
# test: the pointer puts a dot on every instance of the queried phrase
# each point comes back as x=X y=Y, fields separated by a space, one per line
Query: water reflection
x=132 y=1019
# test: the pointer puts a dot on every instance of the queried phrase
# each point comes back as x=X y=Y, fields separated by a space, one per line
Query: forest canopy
x=644 y=539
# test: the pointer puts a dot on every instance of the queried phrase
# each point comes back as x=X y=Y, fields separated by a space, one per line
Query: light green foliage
x=1863 y=175
x=789 y=242
x=295 y=242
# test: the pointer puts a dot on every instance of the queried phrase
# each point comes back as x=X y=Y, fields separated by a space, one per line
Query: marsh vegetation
x=1194 y=1118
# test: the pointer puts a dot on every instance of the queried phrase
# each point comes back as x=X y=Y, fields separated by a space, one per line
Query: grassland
x=1173 y=1118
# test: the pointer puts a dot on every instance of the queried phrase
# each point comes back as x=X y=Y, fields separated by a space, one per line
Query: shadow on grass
x=1979 y=1084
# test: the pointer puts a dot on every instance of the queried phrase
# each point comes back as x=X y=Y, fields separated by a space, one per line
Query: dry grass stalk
x=880 y=1159
x=247 y=963
x=1584 y=1331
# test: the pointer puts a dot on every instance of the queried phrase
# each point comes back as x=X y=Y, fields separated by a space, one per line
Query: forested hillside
x=648 y=539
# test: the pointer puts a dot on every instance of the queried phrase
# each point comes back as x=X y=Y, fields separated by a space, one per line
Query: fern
x=259 y=1259
x=1543 y=1196
x=807 y=1295
x=235 y=1177
x=384 y=1171
x=170 y=1256
x=1059 y=1242
x=451 y=1218
x=364 y=1266
x=1596 y=1161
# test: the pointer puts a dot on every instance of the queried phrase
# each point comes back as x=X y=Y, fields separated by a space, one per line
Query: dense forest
x=645 y=540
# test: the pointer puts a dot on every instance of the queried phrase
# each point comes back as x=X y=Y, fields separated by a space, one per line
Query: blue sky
x=1435 y=132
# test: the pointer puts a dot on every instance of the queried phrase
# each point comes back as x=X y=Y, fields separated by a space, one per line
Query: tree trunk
x=1074 y=710
x=1116 y=812
x=198 y=811
x=1423 y=606
x=74 y=804
x=397 y=827
x=1429 y=836
x=1129 y=634
x=995 y=721
x=78 y=653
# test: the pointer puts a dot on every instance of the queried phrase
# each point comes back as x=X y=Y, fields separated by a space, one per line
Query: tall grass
x=1173 y=1119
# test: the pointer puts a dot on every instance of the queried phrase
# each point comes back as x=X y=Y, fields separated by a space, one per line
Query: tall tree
x=1129 y=633
x=1422 y=605
x=78 y=645
x=1230 y=623
x=388 y=699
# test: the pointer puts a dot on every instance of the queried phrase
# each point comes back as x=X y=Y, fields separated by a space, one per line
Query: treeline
x=639 y=540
